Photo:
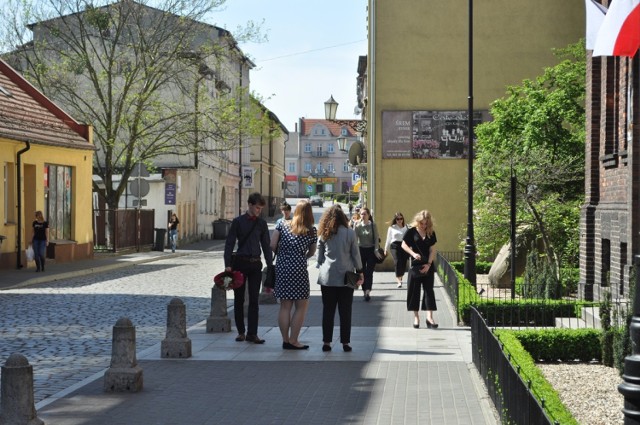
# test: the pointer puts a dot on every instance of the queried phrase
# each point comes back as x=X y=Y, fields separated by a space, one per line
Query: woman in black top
x=40 y=240
x=419 y=242
x=173 y=231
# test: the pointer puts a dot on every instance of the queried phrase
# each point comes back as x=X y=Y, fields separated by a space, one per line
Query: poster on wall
x=247 y=177
x=426 y=134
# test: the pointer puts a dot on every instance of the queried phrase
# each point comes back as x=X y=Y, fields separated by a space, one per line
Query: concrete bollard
x=124 y=374
x=17 y=405
x=176 y=343
x=218 y=320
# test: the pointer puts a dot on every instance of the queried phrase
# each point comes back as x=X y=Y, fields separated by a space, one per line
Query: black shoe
x=294 y=347
x=255 y=339
x=431 y=325
x=367 y=297
x=326 y=347
x=346 y=347
x=240 y=337
x=416 y=325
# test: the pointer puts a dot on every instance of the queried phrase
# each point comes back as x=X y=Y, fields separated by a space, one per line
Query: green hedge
x=482 y=267
x=517 y=312
x=528 y=371
x=550 y=345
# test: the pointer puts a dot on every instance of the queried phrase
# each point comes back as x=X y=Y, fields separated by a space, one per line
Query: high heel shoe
x=431 y=325
x=416 y=324
x=346 y=347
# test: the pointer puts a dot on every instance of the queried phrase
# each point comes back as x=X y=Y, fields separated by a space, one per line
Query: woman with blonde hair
x=337 y=254
x=419 y=242
x=293 y=241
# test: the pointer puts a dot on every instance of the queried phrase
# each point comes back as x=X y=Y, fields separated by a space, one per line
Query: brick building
x=610 y=217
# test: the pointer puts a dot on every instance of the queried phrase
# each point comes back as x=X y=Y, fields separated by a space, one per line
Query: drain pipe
x=19 y=193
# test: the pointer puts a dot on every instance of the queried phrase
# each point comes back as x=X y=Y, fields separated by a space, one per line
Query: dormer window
x=5 y=92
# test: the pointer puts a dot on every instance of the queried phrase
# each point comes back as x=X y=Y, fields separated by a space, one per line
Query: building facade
x=323 y=167
x=417 y=94
x=610 y=217
x=46 y=157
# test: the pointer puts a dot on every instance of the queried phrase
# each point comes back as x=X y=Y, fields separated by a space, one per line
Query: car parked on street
x=316 y=201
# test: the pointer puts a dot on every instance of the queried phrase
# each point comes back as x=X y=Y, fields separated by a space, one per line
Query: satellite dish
x=356 y=153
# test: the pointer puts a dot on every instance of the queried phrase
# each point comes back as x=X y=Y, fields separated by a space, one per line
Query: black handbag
x=351 y=280
x=379 y=253
x=269 y=277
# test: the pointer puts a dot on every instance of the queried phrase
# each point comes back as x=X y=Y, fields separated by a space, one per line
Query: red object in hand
x=229 y=280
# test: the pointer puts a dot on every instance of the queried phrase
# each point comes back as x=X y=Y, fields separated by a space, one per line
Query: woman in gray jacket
x=337 y=254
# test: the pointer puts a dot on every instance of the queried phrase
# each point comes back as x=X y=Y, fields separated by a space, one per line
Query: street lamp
x=342 y=144
x=330 y=110
x=469 y=248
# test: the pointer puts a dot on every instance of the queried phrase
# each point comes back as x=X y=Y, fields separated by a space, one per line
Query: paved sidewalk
x=394 y=375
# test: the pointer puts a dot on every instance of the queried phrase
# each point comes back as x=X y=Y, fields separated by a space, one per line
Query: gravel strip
x=589 y=391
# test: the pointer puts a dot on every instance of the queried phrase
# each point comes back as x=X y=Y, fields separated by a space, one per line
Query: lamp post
x=469 y=248
x=330 y=110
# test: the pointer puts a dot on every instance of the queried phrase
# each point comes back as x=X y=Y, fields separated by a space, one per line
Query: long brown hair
x=302 y=218
x=424 y=215
x=330 y=221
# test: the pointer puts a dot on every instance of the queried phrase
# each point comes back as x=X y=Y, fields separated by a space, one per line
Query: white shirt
x=394 y=234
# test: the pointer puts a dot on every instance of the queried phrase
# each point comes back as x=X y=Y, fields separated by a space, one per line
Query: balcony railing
x=322 y=154
x=323 y=173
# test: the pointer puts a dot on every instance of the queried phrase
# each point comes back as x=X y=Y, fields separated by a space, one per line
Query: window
x=330 y=148
x=292 y=167
x=307 y=167
x=319 y=168
x=345 y=167
x=319 y=150
x=57 y=199
x=330 y=167
x=344 y=131
x=307 y=147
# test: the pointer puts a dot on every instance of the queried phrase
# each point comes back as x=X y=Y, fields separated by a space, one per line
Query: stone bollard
x=124 y=374
x=218 y=320
x=176 y=344
x=16 y=395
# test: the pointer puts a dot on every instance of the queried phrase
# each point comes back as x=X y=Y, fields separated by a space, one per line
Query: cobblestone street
x=64 y=328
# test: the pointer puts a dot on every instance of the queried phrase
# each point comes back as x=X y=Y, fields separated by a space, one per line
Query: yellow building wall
x=35 y=158
x=418 y=60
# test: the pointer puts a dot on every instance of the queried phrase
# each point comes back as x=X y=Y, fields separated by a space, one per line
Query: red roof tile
x=335 y=129
x=27 y=115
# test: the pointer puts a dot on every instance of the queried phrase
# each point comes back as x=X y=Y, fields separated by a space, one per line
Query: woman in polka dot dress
x=293 y=241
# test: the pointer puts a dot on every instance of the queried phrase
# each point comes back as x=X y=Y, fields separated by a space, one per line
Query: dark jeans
x=342 y=297
x=39 y=252
x=368 y=258
x=253 y=279
x=399 y=258
x=415 y=282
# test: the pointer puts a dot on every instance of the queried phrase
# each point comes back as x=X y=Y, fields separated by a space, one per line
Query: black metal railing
x=512 y=394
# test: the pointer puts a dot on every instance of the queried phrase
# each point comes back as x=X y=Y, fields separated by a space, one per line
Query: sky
x=311 y=53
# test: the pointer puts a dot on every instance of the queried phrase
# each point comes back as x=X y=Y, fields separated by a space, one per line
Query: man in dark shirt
x=252 y=234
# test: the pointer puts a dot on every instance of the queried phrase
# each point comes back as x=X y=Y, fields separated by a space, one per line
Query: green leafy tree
x=538 y=134
x=154 y=81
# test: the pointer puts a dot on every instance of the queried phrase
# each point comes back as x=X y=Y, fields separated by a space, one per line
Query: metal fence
x=120 y=229
x=512 y=393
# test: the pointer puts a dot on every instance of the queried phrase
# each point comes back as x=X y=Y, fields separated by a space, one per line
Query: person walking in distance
x=285 y=209
x=251 y=233
x=337 y=254
x=173 y=231
x=395 y=233
x=368 y=242
x=293 y=241
x=40 y=240
x=420 y=243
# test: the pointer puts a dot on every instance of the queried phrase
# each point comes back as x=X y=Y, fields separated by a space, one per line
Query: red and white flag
x=595 y=16
x=619 y=33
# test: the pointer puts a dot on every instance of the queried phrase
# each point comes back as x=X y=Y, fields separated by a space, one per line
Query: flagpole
x=470 y=249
